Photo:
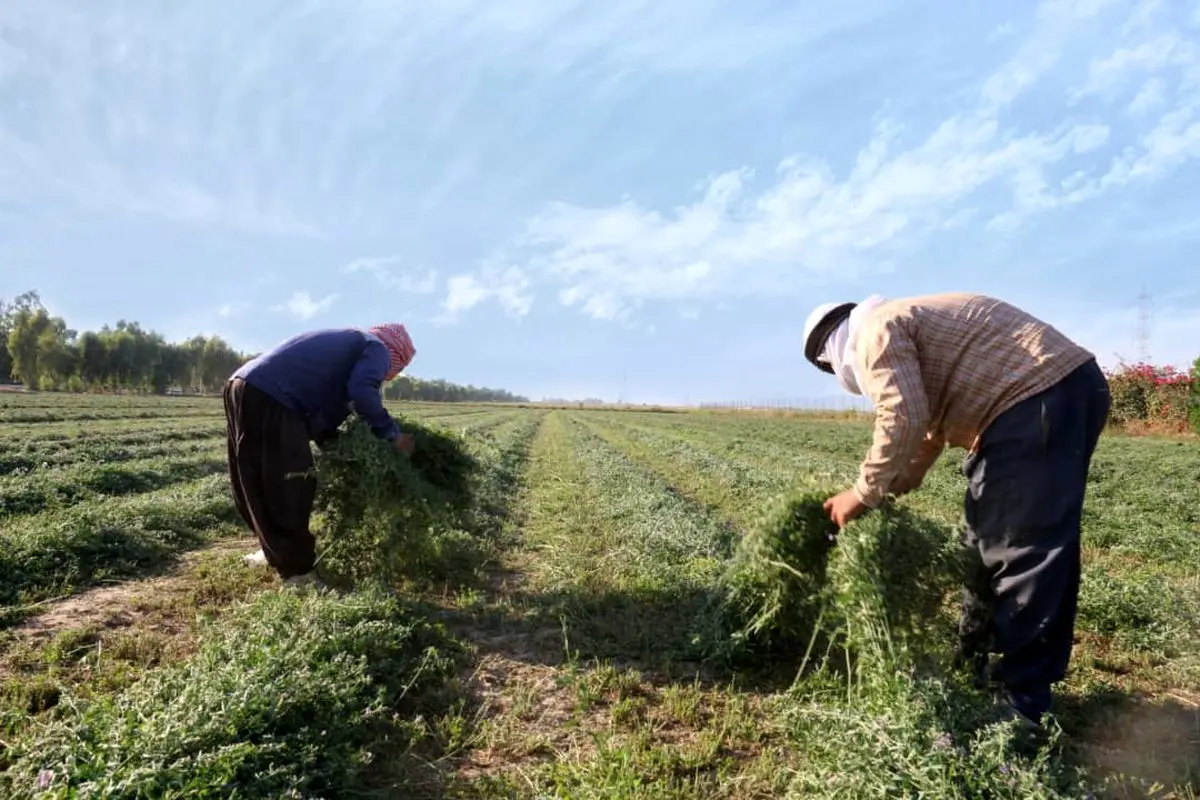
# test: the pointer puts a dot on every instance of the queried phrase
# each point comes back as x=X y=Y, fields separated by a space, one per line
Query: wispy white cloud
x=1055 y=22
x=507 y=285
x=1112 y=73
x=302 y=306
x=1150 y=98
x=232 y=309
x=285 y=123
x=1173 y=140
x=810 y=223
x=407 y=281
x=1144 y=15
x=1002 y=31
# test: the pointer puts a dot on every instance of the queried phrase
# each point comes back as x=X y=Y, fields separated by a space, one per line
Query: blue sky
x=637 y=197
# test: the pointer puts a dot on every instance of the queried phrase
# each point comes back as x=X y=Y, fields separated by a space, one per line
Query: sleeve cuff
x=866 y=495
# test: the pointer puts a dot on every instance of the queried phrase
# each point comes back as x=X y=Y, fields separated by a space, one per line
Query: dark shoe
x=1009 y=710
x=1027 y=710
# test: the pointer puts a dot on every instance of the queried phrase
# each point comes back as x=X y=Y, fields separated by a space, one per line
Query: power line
x=1143 y=328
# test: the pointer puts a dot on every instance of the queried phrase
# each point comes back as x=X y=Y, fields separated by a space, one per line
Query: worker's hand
x=844 y=507
x=404 y=444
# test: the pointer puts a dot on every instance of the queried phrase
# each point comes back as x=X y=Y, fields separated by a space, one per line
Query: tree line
x=405 y=387
x=40 y=351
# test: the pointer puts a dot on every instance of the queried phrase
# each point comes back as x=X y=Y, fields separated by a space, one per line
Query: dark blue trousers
x=1024 y=504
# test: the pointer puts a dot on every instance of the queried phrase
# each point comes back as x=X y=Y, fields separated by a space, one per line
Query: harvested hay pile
x=385 y=517
x=876 y=584
x=882 y=718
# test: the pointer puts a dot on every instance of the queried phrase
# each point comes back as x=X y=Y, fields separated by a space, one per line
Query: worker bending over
x=1028 y=405
x=301 y=391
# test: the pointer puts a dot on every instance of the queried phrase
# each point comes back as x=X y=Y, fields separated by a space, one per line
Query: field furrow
x=598 y=682
x=62 y=488
x=35 y=417
x=17 y=437
x=117 y=450
x=56 y=552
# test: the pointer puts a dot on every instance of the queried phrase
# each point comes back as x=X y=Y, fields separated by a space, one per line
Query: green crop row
x=34 y=416
x=47 y=455
x=60 y=488
x=317 y=695
x=17 y=437
x=60 y=551
x=288 y=696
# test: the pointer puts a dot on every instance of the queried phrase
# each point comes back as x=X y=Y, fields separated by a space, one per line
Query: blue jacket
x=323 y=376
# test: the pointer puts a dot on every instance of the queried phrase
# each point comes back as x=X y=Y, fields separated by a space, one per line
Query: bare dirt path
x=104 y=638
x=136 y=603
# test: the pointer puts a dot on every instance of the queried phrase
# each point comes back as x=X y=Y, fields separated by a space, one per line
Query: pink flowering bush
x=1161 y=398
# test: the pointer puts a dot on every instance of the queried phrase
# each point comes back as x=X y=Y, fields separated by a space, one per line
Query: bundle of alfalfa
x=383 y=516
x=795 y=580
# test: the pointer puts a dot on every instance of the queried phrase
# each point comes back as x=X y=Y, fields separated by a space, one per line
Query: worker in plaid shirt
x=1028 y=405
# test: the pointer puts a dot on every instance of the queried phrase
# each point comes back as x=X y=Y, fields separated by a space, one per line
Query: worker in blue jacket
x=277 y=403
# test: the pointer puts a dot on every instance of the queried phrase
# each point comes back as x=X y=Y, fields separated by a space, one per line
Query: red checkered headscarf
x=399 y=345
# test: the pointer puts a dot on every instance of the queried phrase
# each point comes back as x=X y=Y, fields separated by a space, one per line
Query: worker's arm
x=911 y=478
x=891 y=372
x=365 y=390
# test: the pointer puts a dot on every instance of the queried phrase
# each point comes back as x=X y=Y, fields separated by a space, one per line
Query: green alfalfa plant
x=385 y=516
x=878 y=584
x=290 y=694
x=878 y=714
x=888 y=580
x=774 y=586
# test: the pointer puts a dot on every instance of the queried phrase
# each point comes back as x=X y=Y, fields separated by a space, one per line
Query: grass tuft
x=290 y=695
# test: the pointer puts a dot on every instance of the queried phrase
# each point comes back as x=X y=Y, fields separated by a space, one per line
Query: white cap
x=817 y=330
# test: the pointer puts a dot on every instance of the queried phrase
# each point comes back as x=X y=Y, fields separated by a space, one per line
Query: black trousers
x=269 y=470
x=1024 y=505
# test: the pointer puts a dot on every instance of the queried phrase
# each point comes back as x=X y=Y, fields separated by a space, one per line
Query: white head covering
x=839 y=351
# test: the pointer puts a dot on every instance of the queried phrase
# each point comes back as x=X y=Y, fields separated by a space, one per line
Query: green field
x=560 y=659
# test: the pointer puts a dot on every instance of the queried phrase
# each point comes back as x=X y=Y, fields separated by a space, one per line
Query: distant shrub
x=1155 y=396
x=1194 y=414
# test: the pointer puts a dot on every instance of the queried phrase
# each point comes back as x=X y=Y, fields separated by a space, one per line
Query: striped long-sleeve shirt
x=940 y=369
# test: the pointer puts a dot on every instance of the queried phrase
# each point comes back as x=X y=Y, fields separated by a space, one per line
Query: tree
x=173 y=367
x=29 y=335
x=217 y=362
x=58 y=356
x=29 y=301
x=41 y=351
x=93 y=360
x=405 y=387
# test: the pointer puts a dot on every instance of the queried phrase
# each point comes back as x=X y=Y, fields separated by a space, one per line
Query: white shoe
x=308 y=580
x=256 y=559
